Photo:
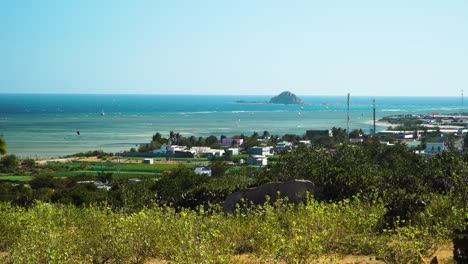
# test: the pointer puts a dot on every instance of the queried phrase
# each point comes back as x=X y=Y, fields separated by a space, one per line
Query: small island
x=286 y=98
x=283 y=98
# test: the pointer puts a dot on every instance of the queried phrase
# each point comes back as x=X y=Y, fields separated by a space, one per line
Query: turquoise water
x=47 y=125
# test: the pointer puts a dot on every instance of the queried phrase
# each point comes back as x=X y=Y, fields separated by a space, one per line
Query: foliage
x=465 y=141
x=92 y=153
x=9 y=163
x=3 y=148
x=51 y=233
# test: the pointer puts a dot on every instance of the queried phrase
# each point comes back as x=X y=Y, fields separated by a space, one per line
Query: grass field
x=15 y=178
x=93 y=172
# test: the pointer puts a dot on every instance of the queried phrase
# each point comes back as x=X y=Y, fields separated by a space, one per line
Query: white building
x=233 y=151
x=284 y=145
x=203 y=170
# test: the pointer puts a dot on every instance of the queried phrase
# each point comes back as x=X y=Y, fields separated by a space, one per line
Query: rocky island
x=283 y=98
x=286 y=98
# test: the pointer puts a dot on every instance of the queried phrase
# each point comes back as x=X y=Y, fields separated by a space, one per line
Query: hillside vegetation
x=370 y=199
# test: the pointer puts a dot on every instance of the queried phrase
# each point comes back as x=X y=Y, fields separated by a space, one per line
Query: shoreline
x=380 y=123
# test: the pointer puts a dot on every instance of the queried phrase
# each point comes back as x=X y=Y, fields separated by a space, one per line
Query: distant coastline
x=251 y=102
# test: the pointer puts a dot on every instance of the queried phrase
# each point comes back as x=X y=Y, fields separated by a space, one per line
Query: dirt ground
x=444 y=256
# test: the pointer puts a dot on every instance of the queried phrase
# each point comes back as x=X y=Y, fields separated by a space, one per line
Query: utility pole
x=347 y=118
x=373 y=103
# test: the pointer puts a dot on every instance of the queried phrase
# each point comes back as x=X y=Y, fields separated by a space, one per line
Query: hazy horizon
x=248 y=95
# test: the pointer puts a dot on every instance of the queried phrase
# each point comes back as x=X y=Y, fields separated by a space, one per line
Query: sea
x=54 y=125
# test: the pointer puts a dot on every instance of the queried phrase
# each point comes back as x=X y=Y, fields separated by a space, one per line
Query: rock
x=296 y=191
x=286 y=98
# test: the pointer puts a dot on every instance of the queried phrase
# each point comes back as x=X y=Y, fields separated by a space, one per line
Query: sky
x=246 y=47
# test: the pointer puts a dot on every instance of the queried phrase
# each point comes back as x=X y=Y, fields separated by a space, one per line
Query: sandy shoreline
x=379 y=123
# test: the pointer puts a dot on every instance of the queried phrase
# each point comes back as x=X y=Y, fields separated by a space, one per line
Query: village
x=424 y=134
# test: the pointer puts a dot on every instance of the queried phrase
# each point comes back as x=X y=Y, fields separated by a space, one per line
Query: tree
x=222 y=137
x=192 y=140
x=218 y=167
x=39 y=182
x=200 y=142
x=274 y=138
x=172 y=137
x=211 y=140
x=3 y=149
x=254 y=135
x=157 y=137
x=9 y=162
x=28 y=164
x=234 y=143
x=291 y=138
x=177 y=138
x=356 y=133
x=173 y=188
x=466 y=141
x=266 y=134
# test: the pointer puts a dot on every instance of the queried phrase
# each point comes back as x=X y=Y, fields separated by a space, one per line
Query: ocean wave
x=393 y=110
x=197 y=112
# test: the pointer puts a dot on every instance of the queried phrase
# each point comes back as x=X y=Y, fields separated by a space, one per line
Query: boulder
x=296 y=191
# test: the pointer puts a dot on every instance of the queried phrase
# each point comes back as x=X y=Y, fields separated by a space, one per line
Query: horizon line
x=188 y=94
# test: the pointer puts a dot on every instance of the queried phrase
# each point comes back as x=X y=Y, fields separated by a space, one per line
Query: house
x=203 y=170
x=356 y=140
x=232 y=151
x=161 y=151
x=227 y=142
x=316 y=133
x=214 y=152
x=175 y=148
x=98 y=184
x=284 y=145
x=257 y=160
x=405 y=135
x=318 y=137
x=436 y=147
x=305 y=142
x=176 y=151
x=262 y=151
x=148 y=161
x=199 y=149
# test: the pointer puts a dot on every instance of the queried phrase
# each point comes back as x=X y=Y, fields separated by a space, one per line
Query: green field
x=15 y=178
x=93 y=172
x=65 y=164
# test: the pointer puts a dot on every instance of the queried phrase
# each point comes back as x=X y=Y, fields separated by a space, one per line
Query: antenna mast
x=347 y=117
x=373 y=103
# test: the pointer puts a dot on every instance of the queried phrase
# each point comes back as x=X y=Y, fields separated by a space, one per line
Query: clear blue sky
x=396 y=47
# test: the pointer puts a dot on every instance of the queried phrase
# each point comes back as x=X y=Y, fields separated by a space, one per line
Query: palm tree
x=177 y=138
x=3 y=149
x=157 y=137
x=171 y=137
